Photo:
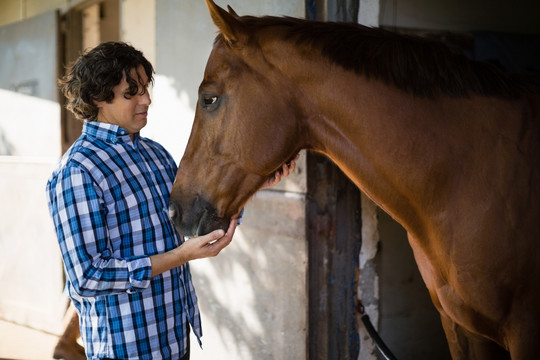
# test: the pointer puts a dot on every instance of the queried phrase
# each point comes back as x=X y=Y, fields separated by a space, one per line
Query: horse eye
x=209 y=100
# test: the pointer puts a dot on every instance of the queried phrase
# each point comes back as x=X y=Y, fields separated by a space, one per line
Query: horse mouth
x=210 y=221
x=197 y=221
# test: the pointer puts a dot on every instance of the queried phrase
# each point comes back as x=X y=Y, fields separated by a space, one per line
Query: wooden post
x=333 y=231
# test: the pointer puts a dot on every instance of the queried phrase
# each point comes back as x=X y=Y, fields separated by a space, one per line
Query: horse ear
x=232 y=12
x=228 y=25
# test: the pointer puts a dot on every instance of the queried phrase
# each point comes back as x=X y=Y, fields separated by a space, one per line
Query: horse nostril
x=173 y=212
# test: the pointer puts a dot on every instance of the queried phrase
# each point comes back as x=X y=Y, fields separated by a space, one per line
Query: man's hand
x=200 y=247
x=208 y=245
x=286 y=170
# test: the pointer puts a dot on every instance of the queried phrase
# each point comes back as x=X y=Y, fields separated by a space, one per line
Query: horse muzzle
x=198 y=219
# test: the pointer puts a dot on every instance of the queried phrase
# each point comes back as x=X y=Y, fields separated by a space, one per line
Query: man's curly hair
x=95 y=73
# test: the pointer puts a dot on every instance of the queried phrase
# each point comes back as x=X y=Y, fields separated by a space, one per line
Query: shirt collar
x=107 y=132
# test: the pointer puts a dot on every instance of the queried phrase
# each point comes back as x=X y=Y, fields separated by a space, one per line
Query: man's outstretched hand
x=199 y=247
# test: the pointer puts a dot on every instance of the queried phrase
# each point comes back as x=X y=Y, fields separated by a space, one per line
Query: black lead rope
x=381 y=346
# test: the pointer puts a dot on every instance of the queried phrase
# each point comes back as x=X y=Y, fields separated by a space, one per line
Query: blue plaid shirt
x=109 y=202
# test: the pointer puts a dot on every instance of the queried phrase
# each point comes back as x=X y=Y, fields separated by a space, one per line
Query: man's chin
x=140 y=122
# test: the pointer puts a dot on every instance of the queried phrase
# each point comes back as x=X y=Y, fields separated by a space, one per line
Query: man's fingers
x=232 y=227
x=212 y=237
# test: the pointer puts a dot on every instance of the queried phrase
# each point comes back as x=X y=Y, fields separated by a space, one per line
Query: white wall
x=30 y=264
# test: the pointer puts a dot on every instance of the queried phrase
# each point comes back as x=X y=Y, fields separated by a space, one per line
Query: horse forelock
x=419 y=65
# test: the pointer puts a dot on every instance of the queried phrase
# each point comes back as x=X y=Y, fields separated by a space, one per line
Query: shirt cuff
x=140 y=273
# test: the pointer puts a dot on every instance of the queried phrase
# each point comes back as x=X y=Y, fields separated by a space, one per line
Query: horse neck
x=371 y=132
x=411 y=155
x=386 y=141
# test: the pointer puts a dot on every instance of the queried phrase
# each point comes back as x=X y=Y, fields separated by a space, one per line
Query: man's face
x=128 y=112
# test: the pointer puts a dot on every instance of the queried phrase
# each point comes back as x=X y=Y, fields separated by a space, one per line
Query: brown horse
x=447 y=146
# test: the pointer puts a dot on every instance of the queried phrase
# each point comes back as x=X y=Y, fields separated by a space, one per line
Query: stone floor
x=22 y=343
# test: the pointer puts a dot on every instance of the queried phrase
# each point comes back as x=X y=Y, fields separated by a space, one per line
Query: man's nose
x=144 y=99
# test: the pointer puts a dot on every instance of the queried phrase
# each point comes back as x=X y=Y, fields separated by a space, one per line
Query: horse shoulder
x=456 y=293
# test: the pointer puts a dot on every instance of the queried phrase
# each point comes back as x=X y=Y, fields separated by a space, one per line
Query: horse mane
x=422 y=66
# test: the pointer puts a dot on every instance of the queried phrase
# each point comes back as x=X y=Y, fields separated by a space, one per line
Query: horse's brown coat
x=448 y=147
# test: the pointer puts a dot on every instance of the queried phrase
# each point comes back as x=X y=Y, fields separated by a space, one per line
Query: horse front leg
x=523 y=335
x=467 y=346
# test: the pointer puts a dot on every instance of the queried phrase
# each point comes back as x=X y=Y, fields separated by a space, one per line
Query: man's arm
x=81 y=227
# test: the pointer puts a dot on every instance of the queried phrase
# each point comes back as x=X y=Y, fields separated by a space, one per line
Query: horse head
x=245 y=128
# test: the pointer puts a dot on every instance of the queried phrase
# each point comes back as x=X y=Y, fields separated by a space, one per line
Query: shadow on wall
x=26 y=121
x=6 y=147
x=253 y=296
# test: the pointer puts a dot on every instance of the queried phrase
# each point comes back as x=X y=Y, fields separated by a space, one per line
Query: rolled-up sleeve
x=79 y=215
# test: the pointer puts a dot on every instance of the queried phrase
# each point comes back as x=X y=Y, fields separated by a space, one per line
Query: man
x=127 y=269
